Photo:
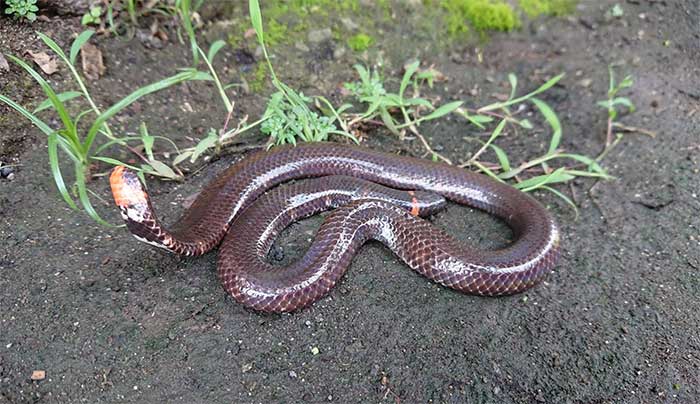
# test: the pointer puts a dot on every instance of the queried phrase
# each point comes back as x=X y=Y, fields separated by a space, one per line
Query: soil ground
x=113 y=320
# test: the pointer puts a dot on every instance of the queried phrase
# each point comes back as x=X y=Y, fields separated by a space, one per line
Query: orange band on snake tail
x=415 y=209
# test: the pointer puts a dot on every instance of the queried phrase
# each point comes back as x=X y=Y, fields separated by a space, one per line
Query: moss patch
x=481 y=15
x=360 y=42
x=535 y=8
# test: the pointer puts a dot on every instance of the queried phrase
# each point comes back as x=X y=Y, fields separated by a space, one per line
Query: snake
x=374 y=196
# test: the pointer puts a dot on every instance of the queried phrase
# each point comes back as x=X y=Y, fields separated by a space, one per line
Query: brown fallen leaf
x=38 y=375
x=93 y=65
x=47 y=64
x=4 y=66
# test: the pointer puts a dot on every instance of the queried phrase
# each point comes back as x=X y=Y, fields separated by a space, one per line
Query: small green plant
x=216 y=139
x=360 y=42
x=288 y=117
x=387 y=106
x=79 y=145
x=22 y=9
x=93 y=16
x=536 y=172
x=614 y=104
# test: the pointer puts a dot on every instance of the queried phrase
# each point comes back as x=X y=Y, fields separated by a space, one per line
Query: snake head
x=131 y=197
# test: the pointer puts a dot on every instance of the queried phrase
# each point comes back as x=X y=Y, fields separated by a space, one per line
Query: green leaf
x=410 y=70
x=114 y=162
x=556 y=176
x=622 y=101
x=502 y=157
x=388 y=121
x=544 y=87
x=84 y=198
x=214 y=49
x=442 y=110
x=524 y=123
x=163 y=170
x=256 y=20
x=63 y=97
x=182 y=157
x=58 y=105
x=126 y=101
x=513 y=79
x=147 y=141
x=78 y=43
x=487 y=171
x=53 y=45
x=551 y=117
x=563 y=197
x=56 y=170
x=33 y=118
x=203 y=145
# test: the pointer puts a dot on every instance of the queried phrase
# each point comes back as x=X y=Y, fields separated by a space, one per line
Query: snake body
x=231 y=207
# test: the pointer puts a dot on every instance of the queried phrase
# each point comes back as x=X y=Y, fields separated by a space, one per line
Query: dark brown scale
x=510 y=270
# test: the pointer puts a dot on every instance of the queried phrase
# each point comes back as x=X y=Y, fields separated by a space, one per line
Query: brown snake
x=231 y=207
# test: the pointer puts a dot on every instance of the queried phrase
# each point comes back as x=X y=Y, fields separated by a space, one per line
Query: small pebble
x=38 y=375
x=6 y=172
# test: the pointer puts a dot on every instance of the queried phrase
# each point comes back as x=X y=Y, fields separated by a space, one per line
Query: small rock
x=301 y=46
x=338 y=52
x=39 y=375
x=320 y=35
x=6 y=172
x=349 y=23
x=4 y=66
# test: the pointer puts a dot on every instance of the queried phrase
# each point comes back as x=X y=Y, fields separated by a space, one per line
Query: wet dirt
x=112 y=320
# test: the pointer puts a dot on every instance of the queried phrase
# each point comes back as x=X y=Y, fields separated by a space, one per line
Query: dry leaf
x=4 y=66
x=38 y=375
x=93 y=65
x=47 y=64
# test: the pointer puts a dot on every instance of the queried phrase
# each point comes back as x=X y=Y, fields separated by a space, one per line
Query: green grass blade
x=551 y=117
x=63 y=97
x=114 y=162
x=563 y=197
x=256 y=20
x=544 y=87
x=185 y=15
x=56 y=170
x=126 y=101
x=85 y=199
x=410 y=71
x=442 y=110
x=58 y=105
x=556 y=176
x=53 y=45
x=78 y=43
x=513 y=79
x=487 y=171
x=214 y=49
x=502 y=157
x=33 y=118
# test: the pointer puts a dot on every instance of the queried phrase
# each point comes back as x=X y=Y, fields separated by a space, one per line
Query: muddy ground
x=112 y=320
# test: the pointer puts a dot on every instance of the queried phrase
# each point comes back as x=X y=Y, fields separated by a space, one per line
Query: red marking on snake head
x=126 y=188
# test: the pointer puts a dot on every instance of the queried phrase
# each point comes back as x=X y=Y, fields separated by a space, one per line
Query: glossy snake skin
x=232 y=207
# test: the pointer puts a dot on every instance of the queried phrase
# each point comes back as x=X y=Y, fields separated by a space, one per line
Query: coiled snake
x=233 y=208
